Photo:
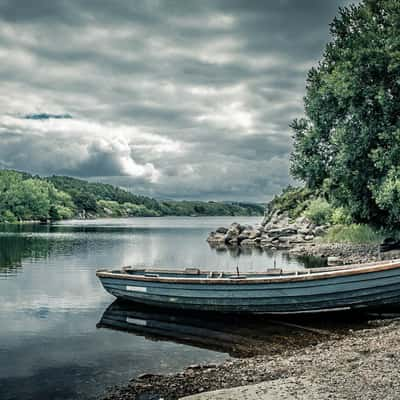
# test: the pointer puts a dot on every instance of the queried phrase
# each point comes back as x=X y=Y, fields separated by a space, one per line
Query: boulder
x=242 y=237
x=302 y=221
x=247 y=242
x=284 y=239
x=334 y=260
x=237 y=227
x=216 y=238
x=305 y=231
x=319 y=231
x=266 y=239
x=231 y=234
x=254 y=234
x=282 y=231
x=222 y=229
x=297 y=239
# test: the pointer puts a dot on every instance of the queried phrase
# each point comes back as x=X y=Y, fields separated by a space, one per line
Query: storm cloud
x=172 y=99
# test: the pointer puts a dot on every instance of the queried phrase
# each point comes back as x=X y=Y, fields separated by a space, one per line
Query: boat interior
x=267 y=273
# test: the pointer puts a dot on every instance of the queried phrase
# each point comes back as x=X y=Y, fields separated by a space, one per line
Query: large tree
x=348 y=144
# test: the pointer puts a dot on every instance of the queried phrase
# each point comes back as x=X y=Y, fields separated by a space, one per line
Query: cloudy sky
x=172 y=99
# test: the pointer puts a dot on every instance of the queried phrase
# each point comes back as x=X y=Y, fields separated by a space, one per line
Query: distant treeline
x=26 y=197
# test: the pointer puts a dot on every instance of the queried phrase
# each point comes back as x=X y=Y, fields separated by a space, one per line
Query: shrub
x=319 y=211
x=293 y=200
x=341 y=217
x=8 y=216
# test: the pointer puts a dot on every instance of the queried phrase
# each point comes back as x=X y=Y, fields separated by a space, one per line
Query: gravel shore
x=363 y=364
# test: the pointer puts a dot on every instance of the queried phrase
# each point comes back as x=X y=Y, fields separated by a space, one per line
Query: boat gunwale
x=252 y=278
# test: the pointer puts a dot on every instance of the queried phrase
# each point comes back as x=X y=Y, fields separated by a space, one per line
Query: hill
x=27 y=197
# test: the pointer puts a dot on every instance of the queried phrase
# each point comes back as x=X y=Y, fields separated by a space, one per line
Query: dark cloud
x=47 y=116
x=177 y=99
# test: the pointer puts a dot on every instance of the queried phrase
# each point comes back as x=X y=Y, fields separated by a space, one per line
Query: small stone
x=334 y=260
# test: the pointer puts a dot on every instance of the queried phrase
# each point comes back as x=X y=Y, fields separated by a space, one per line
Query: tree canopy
x=348 y=143
x=25 y=197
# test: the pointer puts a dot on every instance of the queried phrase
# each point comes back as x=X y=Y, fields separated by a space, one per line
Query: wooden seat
x=274 y=271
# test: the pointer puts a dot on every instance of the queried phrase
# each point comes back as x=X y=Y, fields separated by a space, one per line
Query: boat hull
x=355 y=290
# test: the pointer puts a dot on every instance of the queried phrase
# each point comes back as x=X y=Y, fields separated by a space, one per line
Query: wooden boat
x=272 y=291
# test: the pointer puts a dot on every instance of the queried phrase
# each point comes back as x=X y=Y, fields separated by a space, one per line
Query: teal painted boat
x=272 y=291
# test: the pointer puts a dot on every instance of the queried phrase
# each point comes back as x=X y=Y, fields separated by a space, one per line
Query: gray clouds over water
x=178 y=99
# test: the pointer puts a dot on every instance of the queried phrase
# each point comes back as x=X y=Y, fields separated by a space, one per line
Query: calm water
x=51 y=302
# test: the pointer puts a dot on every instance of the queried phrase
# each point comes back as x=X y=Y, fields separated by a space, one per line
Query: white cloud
x=175 y=99
x=83 y=143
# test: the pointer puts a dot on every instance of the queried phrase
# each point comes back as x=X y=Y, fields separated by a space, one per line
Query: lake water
x=51 y=302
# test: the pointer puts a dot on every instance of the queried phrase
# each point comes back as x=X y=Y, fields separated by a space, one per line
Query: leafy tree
x=85 y=201
x=348 y=144
x=26 y=197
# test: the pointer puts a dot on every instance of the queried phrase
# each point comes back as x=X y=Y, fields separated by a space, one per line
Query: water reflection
x=204 y=330
x=14 y=249
x=283 y=257
x=238 y=335
x=51 y=300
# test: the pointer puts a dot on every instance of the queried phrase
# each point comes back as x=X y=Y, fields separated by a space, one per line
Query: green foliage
x=340 y=216
x=354 y=233
x=25 y=197
x=110 y=208
x=8 y=216
x=348 y=144
x=29 y=198
x=293 y=200
x=388 y=197
x=210 y=208
x=86 y=194
x=319 y=211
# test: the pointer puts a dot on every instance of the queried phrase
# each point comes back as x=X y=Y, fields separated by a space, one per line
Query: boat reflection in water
x=204 y=330
x=237 y=335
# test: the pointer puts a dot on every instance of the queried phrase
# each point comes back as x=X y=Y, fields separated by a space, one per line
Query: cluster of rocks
x=276 y=231
x=343 y=253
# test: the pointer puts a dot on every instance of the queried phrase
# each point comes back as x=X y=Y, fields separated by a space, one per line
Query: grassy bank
x=354 y=233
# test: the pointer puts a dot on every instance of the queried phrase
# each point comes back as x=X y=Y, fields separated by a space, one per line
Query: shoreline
x=340 y=366
x=300 y=237
x=77 y=218
x=337 y=364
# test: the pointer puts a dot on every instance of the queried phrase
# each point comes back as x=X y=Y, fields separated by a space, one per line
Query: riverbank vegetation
x=299 y=202
x=25 y=197
x=347 y=146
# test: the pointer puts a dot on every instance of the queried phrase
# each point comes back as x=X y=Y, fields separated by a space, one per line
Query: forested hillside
x=25 y=197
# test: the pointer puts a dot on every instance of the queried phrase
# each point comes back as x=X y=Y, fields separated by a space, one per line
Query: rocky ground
x=363 y=364
x=275 y=232
x=298 y=238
